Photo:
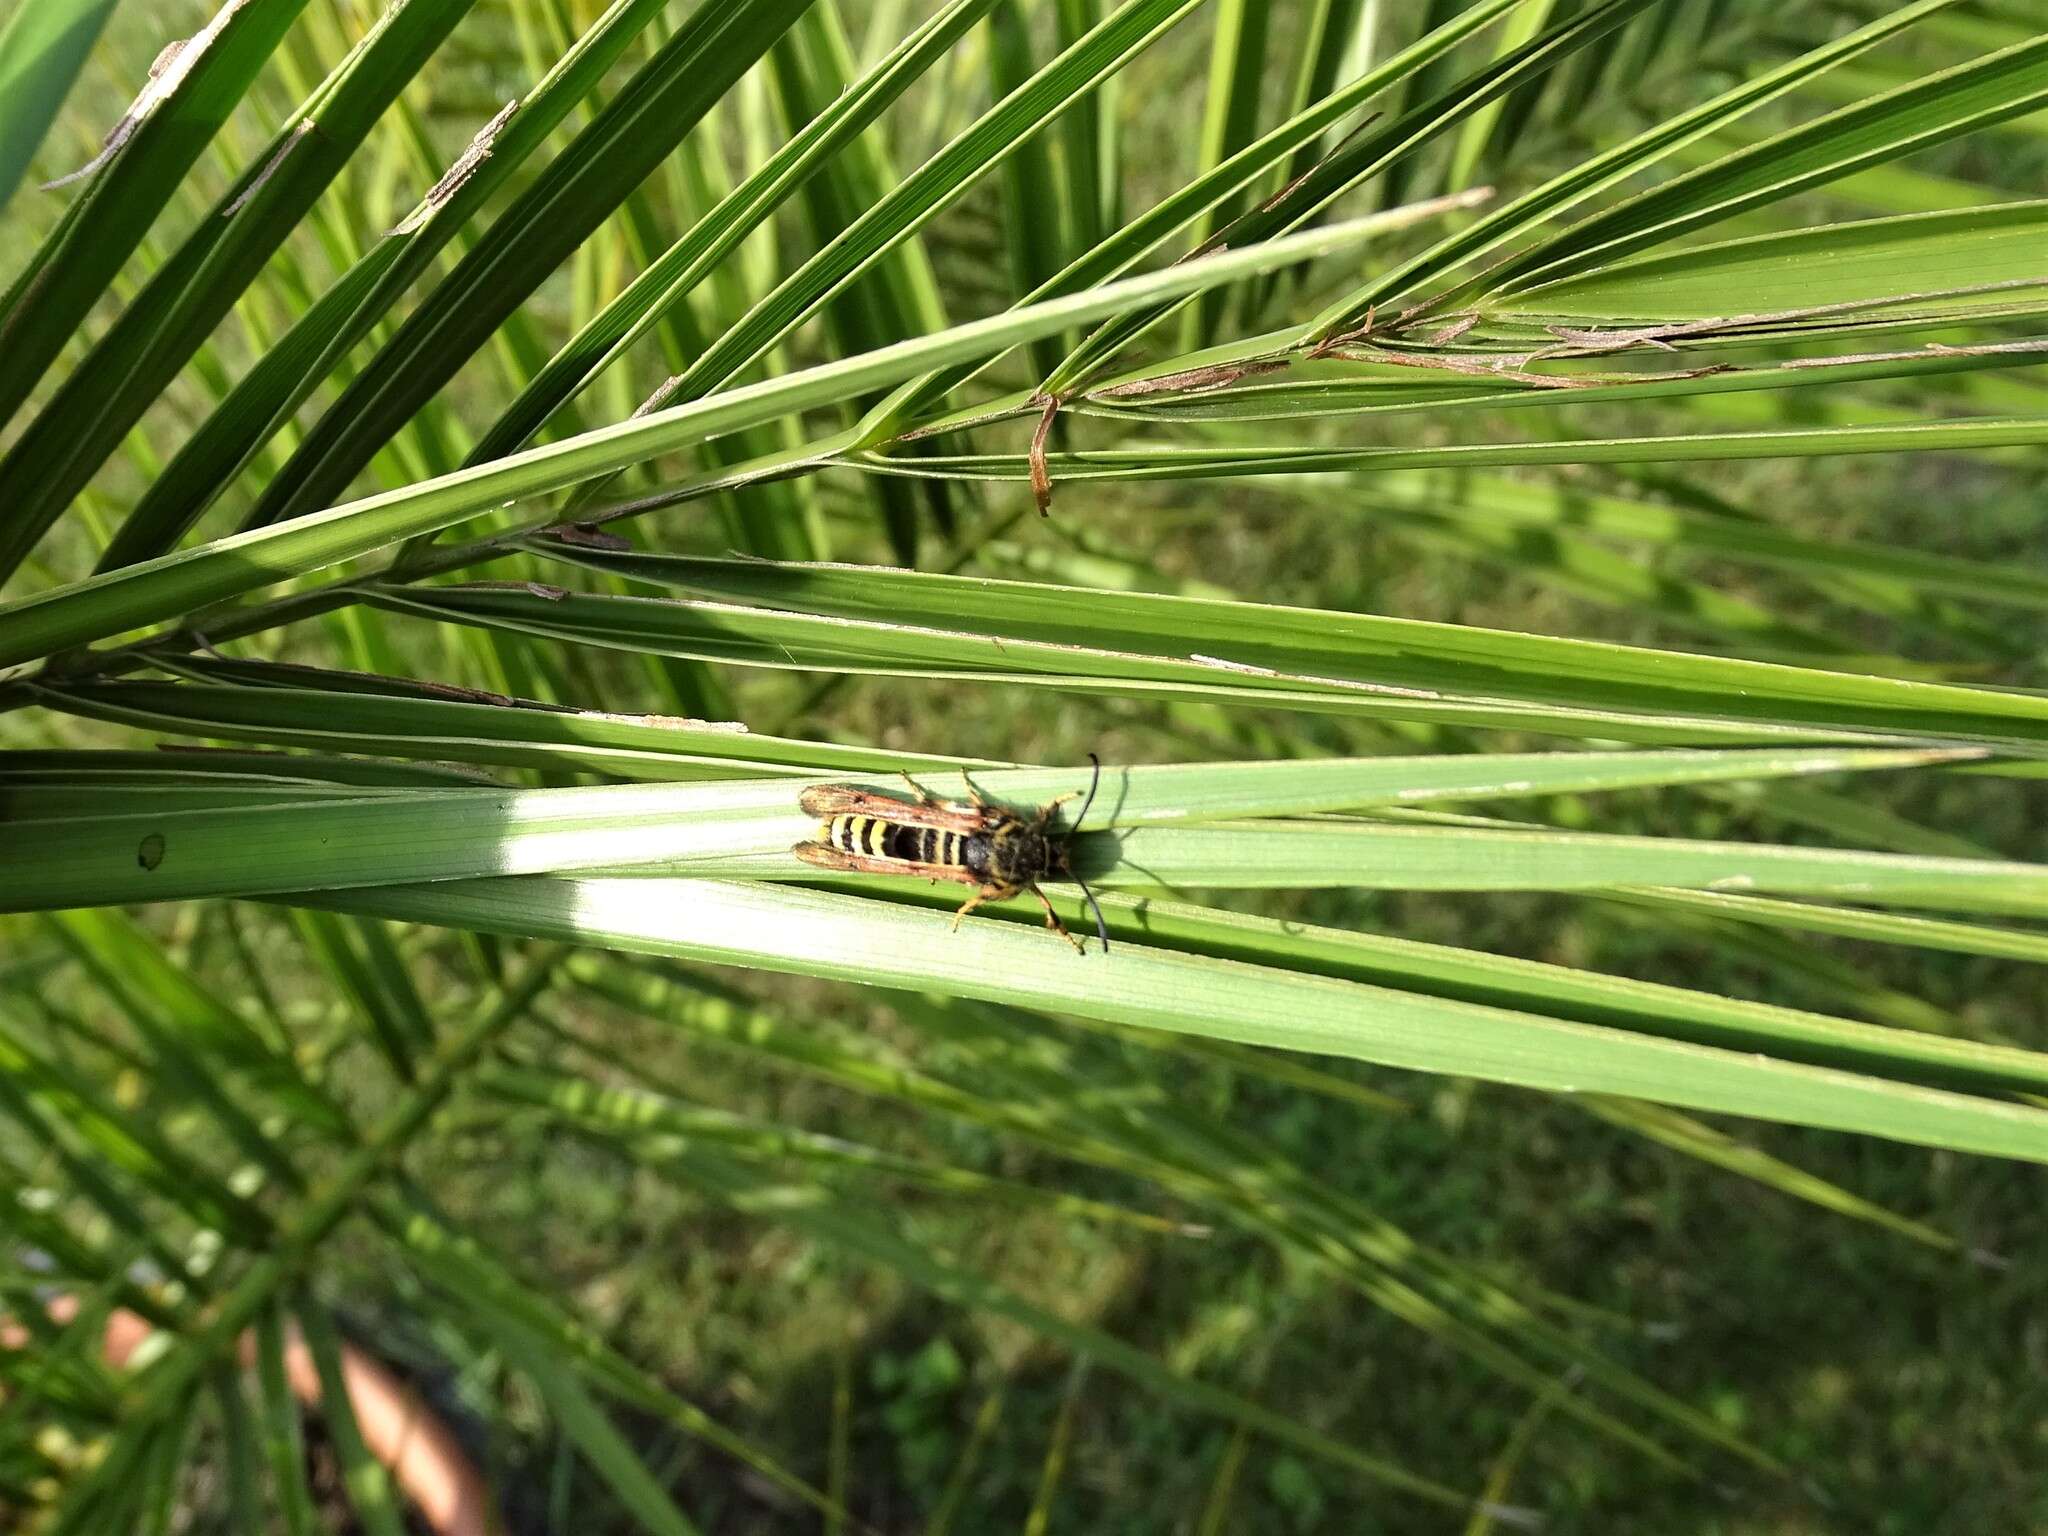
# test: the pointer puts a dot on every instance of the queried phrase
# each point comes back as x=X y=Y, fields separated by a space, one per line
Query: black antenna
x=1101 y=928
x=1092 y=785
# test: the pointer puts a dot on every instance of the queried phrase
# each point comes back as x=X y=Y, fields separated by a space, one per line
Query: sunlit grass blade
x=824 y=934
x=1242 y=383
x=1160 y=461
x=1567 y=992
x=1483 y=858
x=747 y=827
x=1856 y=923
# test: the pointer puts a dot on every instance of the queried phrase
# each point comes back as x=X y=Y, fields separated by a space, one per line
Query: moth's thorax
x=1017 y=855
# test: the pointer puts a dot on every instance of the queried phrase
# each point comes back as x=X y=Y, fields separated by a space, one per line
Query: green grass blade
x=287 y=374
x=845 y=937
x=149 y=151
x=1471 y=146
x=666 y=281
x=1163 y=462
x=178 y=309
x=1536 y=207
x=370 y=1494
x=1230 y=121
x=238 y=1432
x=1934 y=260
x=1090 y=139
x=1565 y=992
x=1918 y=115
x=42 y=47
x=511 y=733
x=1036 y=221
x=1182 y=209
x=638 y=127
x=1852 y=923
x=283 y=1442
x=1477 y=859
x=747 y=827
x=848 y=618
x=626 y=1477
x=116 y=601
x=943 y=178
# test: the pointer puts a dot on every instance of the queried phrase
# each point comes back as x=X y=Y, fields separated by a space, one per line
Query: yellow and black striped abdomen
x=875 y=837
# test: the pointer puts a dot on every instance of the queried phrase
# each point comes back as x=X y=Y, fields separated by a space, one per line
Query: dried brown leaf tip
x=588 y=536
x=466 y=165
x=1041 y=477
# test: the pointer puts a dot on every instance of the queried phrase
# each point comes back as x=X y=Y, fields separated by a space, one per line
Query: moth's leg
x=1045 y=811
x=986 y=893
x=1052 y=921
